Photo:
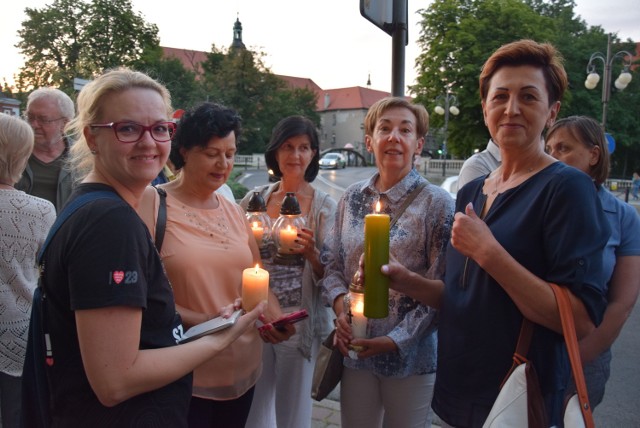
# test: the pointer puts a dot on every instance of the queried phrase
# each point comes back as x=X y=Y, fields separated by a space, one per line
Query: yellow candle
x=255 y=287
x=288 y=237
x=376 y=254
x=258 y=232
x=358 y=320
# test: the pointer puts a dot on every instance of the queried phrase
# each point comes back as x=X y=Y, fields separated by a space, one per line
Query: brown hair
x=589 y=132
x=377 y=109
x=528 y=52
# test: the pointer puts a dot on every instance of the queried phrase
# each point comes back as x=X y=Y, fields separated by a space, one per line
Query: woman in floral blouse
x=391 y=380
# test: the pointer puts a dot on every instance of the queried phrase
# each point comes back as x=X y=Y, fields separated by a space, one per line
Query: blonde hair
x=16 y=145
x=90 y=104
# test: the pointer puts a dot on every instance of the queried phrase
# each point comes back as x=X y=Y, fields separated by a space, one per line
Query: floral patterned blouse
x=418 y=240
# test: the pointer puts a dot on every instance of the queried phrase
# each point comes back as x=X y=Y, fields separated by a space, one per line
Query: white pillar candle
x=358 y=320
x=255 y=287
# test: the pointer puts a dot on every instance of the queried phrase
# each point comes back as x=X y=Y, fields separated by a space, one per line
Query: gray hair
x=65 y=104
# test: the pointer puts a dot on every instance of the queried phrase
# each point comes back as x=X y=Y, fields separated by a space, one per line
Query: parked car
x=450 y=184
x=333 y=161
x=272 y=177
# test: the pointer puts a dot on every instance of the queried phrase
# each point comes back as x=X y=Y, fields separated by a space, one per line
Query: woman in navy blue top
x=529 y=222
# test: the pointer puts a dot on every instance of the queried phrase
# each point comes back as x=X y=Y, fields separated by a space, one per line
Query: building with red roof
x=341 y=110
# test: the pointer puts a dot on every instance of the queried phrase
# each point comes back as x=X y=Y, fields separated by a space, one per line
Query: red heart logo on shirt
x=118 y=276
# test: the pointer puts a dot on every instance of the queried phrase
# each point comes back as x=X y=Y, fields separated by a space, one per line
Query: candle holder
x=260 y=222
x=285 y=231
x=354 y=307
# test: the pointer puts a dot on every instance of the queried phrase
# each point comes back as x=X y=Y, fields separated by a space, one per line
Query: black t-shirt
x=103 y=256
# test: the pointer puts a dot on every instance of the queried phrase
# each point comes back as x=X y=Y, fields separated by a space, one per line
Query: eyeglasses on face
x=131 y=132
x=40 y=119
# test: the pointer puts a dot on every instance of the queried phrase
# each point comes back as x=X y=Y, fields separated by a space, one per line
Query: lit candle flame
x=378 y=207
x=255 y=224
x=359 y=307
x=257 y=267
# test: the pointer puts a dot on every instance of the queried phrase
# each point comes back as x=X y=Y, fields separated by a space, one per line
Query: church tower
x=237 y=36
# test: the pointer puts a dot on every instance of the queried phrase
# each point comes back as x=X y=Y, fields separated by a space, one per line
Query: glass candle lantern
x=354 y=307
x=259 y=220
x=285 y=231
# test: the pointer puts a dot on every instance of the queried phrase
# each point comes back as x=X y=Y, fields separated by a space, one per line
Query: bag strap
x=66 y=213
x=161 y=221
x=71 y=208
x=569 y=331
x=414 y=193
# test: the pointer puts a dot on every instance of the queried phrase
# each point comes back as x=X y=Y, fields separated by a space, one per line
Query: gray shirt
x=480 y=164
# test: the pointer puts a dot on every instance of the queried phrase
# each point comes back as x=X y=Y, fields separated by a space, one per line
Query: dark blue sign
x=611 y=141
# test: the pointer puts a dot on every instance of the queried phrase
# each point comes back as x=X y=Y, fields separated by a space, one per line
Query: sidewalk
x=325 y=414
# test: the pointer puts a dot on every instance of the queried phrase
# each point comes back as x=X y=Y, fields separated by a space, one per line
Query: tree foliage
x=238 y=78
x=181 y=83
x=82 y=38
x=75 y=38
x=457 y=36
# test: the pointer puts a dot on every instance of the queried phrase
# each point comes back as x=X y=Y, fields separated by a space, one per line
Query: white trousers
x=282 y=397
x=372 y=401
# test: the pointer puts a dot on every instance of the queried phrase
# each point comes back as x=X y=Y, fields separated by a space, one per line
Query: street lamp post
x=593 y=78
x=450 y=102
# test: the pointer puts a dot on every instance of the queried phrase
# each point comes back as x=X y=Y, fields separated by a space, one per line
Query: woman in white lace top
x=24 y=223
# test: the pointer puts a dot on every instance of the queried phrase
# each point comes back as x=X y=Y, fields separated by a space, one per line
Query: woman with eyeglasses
x=110 y=310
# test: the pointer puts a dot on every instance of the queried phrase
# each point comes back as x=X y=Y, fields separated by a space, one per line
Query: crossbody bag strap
x=407 y=202
x=66 y=213
x=71 y=208
x=571 y=340
x=161 y=220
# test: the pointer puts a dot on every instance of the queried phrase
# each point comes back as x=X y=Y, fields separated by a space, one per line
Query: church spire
x=237 y=35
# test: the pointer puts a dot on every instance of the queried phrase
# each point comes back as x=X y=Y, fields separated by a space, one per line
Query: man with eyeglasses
x=46 y=176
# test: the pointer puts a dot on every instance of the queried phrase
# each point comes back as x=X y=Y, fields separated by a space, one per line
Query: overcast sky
x=327 y=40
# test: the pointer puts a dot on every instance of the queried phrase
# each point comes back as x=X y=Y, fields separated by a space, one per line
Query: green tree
x=75 y=38
x=181 y=83
x=457 y=36
x=239 y=79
